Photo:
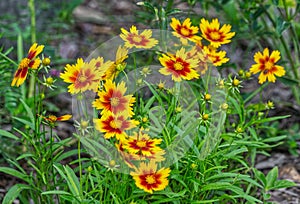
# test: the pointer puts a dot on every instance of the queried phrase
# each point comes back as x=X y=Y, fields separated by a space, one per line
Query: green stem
x=33 y=40
x=79 y=162
x=255 y=92
x=8 y=59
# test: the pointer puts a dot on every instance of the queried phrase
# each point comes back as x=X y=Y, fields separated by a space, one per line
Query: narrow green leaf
x=8 y=134
x=14 y=192
x=25 y=122
x=28 y=110
x=56 y=192
x=275 y=139
x=15 y=173
x=73 y=182
x=269 y=119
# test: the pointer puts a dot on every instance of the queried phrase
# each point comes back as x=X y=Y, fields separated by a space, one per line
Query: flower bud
x=46 y=61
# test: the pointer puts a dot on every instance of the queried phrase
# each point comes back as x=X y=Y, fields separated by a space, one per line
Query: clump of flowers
x=184 y=61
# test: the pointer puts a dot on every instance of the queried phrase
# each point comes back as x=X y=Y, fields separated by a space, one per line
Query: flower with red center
x=118 y=65
x=141 y=144
x=114 y=125
x=112 y=98
x=149 y=179
x=185 y=31
x=82 y=76
x=134 y=39
x=179 y=66
x=266 y=65
x=30 y=62
x=214 y=34
x=215 y=57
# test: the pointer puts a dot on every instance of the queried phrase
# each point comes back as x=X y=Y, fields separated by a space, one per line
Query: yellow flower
x=179 y=66
x=114 y=125
x=149 y=179
x=266 y=65
x=118 y=65
x=82 y=76
x=214 y=34
x=141 y=144
x=185 y=31
x=29 y=62
x=216 y=58
x=112 y=98
x=134 y=39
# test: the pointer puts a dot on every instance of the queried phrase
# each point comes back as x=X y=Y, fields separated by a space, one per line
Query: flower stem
x=79 y=161
x=33 y=40
x=8 y=59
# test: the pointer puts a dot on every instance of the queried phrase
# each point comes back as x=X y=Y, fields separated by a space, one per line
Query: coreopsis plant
x=168 y=150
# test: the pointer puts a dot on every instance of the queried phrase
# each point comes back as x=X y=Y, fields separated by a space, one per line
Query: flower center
x=114 y=101
x=141 y=143
x=178 y=66
x=49 y=80
x=215 y=35
x=184 y=31
x=84 y=124
x=24 y=63
x=269 y=65
x=150 y=179
x=82 y=78
x=116 y=124
x=52 y=118
x=137 y=38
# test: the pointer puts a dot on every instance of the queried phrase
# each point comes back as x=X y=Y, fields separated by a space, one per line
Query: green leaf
x=25 y=122
x=282 y=184
x=275 y=139
x=22 y=156
x=14 y=192
x=8 y=134
x=281 y=26
x=56 y=192
x=173 y=12
x=260 y=176
x=288 y=81
x=264 y=120
x=73 y=182
x=271 y=178
x=15 y=173
x=275 y=2
x=28 y=110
